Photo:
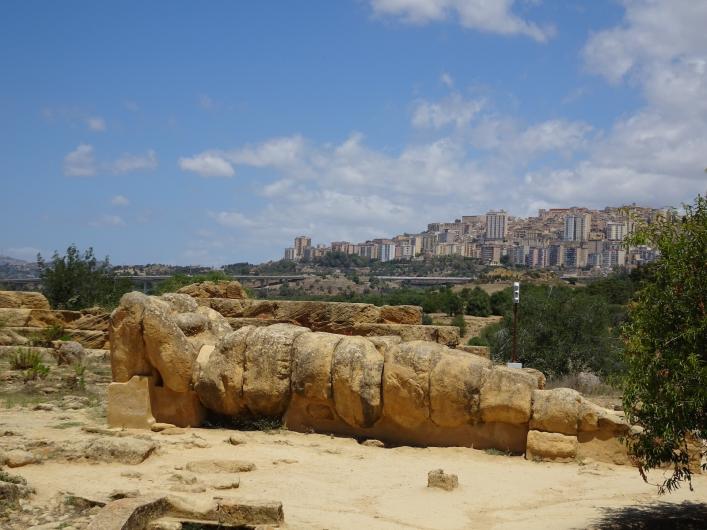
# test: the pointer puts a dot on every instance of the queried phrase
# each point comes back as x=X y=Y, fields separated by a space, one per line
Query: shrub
x=478 y=303
x=477 y=341
x=38 y=370
x=426 y=319
x=459 y=322
x=501 y=302
x=24 y=358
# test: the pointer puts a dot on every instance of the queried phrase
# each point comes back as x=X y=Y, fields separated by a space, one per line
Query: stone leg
x=129 y=404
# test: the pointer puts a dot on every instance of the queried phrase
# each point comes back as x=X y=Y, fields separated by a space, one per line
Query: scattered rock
x=19 y=458
x=183 y=478
x=123 y=494
x=123 y=450
x=373 y=443
x=44 y=406
x=184 y=488
x=68 y=352
x=173 y=430
x=439 y=479
x=165 y=524
x=234 y=439
x=158 y=427
x=225 y=483
x=131 y=474
x=285 y=461
x=12 y=492
x=220 y=466
x=82 y=503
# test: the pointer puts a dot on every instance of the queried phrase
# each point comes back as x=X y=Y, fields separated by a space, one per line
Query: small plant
x=426 y=319
x=459 y=322
x=37 y=371
x=77 y=380
x=24 y=358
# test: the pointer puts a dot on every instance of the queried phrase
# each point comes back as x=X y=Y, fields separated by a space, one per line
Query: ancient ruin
x=177 y=359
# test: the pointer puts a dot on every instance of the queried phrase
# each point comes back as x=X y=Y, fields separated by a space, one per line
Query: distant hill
x=7 y=260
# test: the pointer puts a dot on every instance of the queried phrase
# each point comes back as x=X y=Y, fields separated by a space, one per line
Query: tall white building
x=496 y=226
x=615 y=231
x=577 y=227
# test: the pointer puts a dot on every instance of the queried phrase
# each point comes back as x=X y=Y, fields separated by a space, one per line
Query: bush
x=37 y=371
x=502 y=302
x=478 y=303
x=77 y=281
x=560 y=331
x=426 y=319
x=24 y=358
x=459 y=322
x=46 y=336
x=477 y=341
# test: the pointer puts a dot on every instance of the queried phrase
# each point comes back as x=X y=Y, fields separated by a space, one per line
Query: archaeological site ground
x=208 y=409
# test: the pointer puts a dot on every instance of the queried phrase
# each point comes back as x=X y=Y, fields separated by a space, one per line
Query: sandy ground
x=336 y=483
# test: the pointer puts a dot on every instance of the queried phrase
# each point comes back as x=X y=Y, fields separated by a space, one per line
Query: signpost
x=516 y=300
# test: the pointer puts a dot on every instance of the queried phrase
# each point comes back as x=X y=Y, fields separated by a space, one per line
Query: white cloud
x=658 y=153
x=120 y=200
x=205 y=102
x=96 y=123
x=207 y=165
x=451 y=110
x=232 y=219
x=128 y=163
x=80 y=162
x=131 y=105
x=447 y=80
x=494 y=16
x=108 y=220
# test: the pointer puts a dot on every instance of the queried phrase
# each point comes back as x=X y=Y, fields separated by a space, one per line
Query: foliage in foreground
x=665 y=388
x=77 y=281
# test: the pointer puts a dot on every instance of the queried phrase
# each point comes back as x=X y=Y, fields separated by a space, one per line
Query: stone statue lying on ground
x=177 y=362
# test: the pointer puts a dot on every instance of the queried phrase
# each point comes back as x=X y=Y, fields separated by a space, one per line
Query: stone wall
x=24 y=315
x=176 y=361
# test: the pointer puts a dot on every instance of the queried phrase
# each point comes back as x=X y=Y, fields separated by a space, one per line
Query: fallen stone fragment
x=234 y=439
x=437 y=478
x=373 y=443
x=220 y=466
x=19 y=458
x=123 y=450
x=225 y=483
x=165 y=524
x=82 y=503
x=158 y=427
x=44 y=406
x=551 y=446
x=123 y=494
x=132 y=513
x=173 y=430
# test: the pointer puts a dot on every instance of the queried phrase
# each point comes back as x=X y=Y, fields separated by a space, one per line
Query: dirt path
x=336 y=483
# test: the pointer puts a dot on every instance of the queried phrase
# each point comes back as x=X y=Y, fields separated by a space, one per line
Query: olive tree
x=665 y=387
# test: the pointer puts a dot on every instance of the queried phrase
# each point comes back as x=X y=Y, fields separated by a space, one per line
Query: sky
x=215 y=132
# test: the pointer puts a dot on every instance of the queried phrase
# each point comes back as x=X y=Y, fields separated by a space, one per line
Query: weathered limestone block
x=311 y=364
x=129 y=404
x=437 y=478
x=126 y=338
x=455 y=387
x=219 y=382
x=406 y=381
x=481 y=351
x=23 y=299
x=220 y=289
x=538 y=374
x=334 y=317
x=166 y=347
x=401 y=314
x=192 y=323
x=357 y=371
x=556 y=410
x=551 y=446
x=180 y=303
x=268 y=358
x=506 y=396
x=446 y=335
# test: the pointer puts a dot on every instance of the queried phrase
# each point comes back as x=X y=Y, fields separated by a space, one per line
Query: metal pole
x=515 y=334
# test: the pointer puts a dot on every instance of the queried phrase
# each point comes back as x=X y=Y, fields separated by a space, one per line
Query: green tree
x=665 y=387
x=560 y=331
x=502 y=302
x=76 y=281
x=459 y=322
x=478 y=303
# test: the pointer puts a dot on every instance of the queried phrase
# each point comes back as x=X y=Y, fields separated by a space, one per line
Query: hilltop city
x=567 y=238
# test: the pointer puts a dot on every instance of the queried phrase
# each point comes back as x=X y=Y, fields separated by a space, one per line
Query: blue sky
x=210 y=133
